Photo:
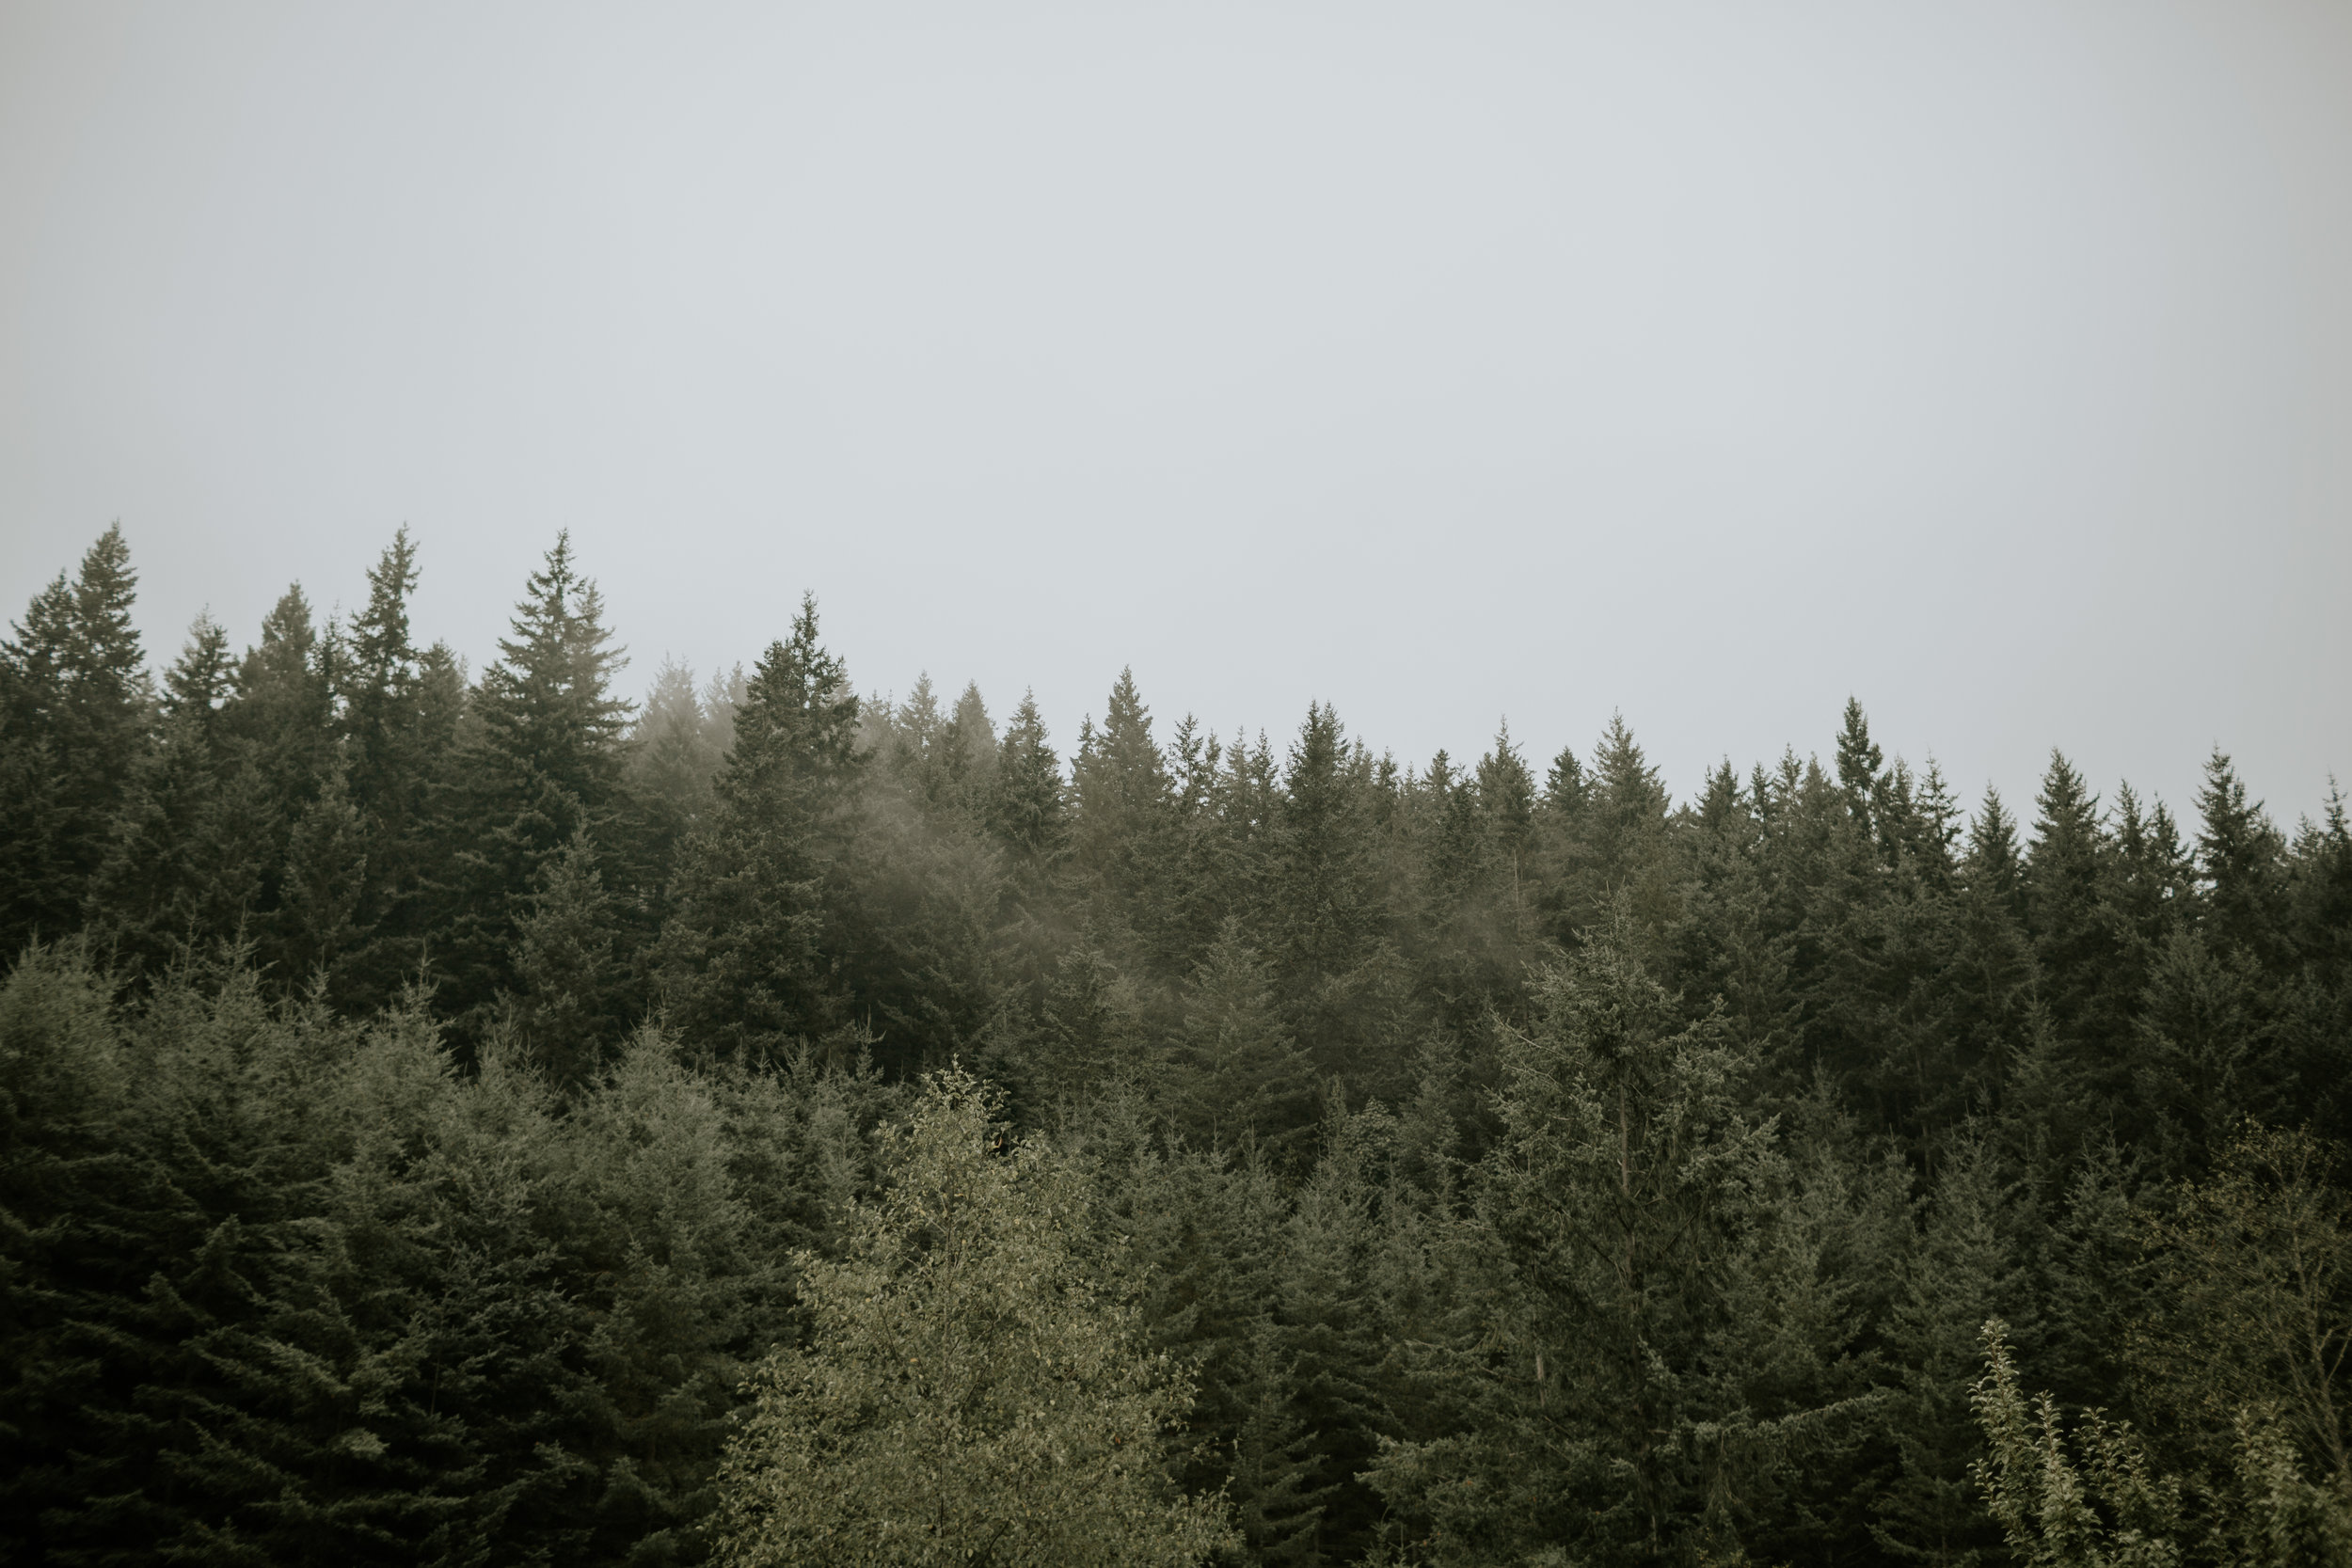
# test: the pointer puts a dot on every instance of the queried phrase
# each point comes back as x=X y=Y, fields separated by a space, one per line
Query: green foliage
x=744 y=962
x=2093 y=1502
x=422 y=1087
x=966 y=1392
x=74 y=710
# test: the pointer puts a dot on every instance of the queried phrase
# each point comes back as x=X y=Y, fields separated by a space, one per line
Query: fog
x=1709 y=363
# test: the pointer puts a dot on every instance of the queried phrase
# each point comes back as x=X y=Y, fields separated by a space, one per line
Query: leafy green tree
x=2100 y=1506
x=966 y=1393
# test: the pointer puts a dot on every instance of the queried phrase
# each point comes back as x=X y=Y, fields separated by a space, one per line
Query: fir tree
x=76 y=714
x=544 y=768
x=1026 y=803
x=744 y=960
x=1238 y=1078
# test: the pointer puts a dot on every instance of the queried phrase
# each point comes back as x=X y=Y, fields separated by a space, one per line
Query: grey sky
x=1993 y=362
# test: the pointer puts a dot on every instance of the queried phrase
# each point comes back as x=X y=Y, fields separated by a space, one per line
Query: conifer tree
x=544 y=768
x=1237 y=1079
x=1026 y=804
x=2238 y=855
x=398 y=709
x=1624 y=1190
x=1323 y=906
x=1963 y=1269
x=1860 y=764
x=562 y=1007
x=2065 y=876
x=191 y=839
x=76 y=714
x=743 y=960
x=1122 y=827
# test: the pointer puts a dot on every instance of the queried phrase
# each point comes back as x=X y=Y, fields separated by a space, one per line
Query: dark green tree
x=745 y=961
x=76 y=713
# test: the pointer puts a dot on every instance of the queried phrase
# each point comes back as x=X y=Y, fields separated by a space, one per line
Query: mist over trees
x=467 y=1117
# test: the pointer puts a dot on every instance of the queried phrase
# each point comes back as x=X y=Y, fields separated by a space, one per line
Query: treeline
x=426 y=1098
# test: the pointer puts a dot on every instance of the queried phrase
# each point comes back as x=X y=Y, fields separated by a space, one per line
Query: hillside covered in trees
x=474 y=1118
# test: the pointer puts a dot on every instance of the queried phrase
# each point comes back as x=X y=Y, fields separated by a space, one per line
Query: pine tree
x=1860 y=769
x=315 y=925
x=1323 y=907
x=745 y=962
x=398 y=708
x=1963 y=1269
x=75 y=716
x=1122 y=829
x=1625 y=1190
x=563 y=1007
x=544 y=768
x=1026 y=806
x=1238 y=1080
x=2238 y=854
x=191 y=839
x=2065 y=878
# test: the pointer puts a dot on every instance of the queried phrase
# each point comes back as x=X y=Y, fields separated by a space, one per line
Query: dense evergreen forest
x=464 y=1117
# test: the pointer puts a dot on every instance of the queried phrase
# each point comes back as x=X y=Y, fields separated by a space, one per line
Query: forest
x=466 y=1117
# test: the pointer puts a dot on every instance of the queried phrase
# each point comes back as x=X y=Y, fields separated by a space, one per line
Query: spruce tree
x=75 y=716
x=398 y=711
x=1325 y=909
x=1238 y=1080
x=2065 y=877
x=1026 y=804
x=2238 y=860
x=744 y=962
x=543 y=768
x=191 y=840
x=563 y=1007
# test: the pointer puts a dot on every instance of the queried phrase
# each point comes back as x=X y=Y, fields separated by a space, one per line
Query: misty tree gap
x=454 y=1116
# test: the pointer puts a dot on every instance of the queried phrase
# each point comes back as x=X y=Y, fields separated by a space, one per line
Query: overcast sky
x=1991 y=362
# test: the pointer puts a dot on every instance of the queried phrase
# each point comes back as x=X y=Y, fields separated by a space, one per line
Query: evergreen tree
x=563 y=1008
x=1860 y=764
x=1963 y=1269
x=191 y=839
x=1325 y=908
x=544 y=768
x=2238 y=855
x=744 y=960
x=1027 y=803
x=2065 y=878
x=399 y=709
x=75 y=714
x=1626 y=1184
x=1122 y=829
x=1238 y=1078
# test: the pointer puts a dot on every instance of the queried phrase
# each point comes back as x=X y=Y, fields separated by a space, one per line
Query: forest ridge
x=483 y=1119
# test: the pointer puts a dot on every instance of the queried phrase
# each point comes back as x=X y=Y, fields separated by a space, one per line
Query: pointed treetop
x=198 y=680
x=1859 y=759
